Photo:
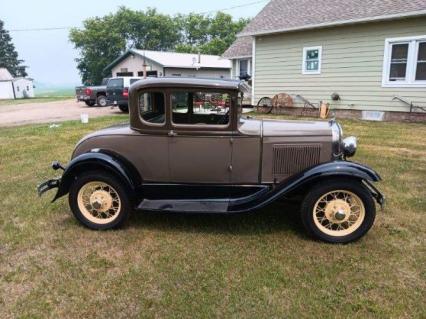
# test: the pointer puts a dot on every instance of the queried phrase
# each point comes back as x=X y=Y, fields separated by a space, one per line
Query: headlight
x=349 y=146
x=337 y=134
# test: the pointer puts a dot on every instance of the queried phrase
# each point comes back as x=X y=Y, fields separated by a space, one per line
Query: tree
x=149 y=30
x=99 y=44
x=208 y=35
x=101 y=40
x=8 y=55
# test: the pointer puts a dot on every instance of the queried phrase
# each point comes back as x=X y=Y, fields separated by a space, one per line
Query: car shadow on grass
x=278 y=217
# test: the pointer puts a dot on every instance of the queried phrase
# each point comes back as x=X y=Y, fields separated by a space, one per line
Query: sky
x=49 y=54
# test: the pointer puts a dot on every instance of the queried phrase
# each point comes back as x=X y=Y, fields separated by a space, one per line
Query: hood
x=296 y=128
x=255 y=127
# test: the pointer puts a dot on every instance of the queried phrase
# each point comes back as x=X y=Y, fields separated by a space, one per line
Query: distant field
x=44 y=95
x=69 y=92
x=35 y=100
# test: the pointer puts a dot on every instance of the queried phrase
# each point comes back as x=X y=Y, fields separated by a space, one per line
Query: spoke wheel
x=339 y=213
x=99 y=202
x=264 y=105
x=338 y=210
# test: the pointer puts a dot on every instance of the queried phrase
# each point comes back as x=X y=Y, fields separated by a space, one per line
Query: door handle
x=172 y=133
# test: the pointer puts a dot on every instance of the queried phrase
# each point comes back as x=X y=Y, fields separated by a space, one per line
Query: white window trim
x=413 y=47
x=305 y=50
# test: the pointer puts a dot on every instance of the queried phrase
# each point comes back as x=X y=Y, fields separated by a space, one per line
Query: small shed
x=15 y=88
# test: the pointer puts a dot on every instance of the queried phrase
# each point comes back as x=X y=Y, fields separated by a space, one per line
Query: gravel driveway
x=49 y=112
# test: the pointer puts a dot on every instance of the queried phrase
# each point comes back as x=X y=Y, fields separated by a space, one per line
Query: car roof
x=182 y=82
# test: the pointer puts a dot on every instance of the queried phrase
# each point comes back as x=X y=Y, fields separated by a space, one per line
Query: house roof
x=291 y=15
x=176 y=60
x=241 y=48
x=5 y=75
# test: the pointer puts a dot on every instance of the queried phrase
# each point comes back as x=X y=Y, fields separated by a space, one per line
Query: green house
x=356 y=55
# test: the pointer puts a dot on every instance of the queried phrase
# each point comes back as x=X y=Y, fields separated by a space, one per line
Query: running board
x=185 y=205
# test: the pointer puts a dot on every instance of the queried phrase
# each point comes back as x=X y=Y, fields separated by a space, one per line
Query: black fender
x=99 y=160
x=311 y=175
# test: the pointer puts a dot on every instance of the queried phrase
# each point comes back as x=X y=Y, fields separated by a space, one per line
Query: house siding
x=352 y=65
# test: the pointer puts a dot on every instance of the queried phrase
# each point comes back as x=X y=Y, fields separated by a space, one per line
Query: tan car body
x=156 y=164
x=246 y=151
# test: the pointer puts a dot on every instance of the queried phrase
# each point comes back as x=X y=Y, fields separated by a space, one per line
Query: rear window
x=114 y=83
x=133 y=81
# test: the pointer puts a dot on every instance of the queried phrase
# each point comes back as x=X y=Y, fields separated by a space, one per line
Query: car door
x=200 y=139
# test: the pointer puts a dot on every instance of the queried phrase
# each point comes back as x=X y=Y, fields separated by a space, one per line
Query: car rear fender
x=102 y=160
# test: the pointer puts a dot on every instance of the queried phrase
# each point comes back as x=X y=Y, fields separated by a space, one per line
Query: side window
x=200 y=108
x=152 y=107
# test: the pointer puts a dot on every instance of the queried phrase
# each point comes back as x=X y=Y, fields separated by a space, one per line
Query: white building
x=15 y=88
x=157 y=63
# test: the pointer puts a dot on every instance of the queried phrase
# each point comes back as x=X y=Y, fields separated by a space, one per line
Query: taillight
x=126 y=92
x=88 y=91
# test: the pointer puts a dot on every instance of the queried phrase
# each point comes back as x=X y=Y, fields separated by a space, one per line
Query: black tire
x=90 y=103
x=102 y=101
x=115 y=184
x=124 y=108
x=319 y=190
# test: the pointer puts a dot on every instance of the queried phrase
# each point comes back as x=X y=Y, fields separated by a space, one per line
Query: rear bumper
x=116 y=102
x=84 y=98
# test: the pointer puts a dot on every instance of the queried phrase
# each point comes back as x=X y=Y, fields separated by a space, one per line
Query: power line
x=40 y=29
x=67 y=28
x=234 y=7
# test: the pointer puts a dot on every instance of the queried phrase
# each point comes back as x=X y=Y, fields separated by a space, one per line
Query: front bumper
x=48 y=185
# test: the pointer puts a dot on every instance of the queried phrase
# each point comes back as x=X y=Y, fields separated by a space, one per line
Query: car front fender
x=98 y=160
x=334 y=169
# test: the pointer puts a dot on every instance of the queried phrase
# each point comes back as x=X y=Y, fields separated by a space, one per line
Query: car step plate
x=187 y=205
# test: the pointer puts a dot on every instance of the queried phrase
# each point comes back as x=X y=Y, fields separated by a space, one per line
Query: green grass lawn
x=259 y=265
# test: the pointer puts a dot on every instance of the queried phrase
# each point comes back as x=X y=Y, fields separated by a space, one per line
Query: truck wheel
x=338 y=211
x=90 y=103
x=101 y=100
x=124 y=108
x=99 y=200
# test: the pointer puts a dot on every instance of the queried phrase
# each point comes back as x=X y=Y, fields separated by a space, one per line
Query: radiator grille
x=291 y=159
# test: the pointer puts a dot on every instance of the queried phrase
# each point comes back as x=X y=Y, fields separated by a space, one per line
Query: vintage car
x=188 y=148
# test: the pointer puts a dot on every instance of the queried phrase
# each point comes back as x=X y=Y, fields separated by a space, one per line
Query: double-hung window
x=405 y=62
x=312 y=60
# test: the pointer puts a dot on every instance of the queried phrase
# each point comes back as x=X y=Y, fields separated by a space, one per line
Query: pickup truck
x=92 y=95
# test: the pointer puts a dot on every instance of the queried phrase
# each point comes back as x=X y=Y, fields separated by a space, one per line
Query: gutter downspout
x=253 y=76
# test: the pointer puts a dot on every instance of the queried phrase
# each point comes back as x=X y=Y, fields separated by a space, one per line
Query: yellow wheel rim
x=339 y=213
x=99 y=202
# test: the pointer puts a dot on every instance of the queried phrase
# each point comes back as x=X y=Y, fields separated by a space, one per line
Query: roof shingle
x=291 y=15
x=241 y=48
